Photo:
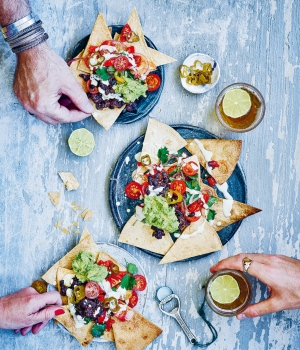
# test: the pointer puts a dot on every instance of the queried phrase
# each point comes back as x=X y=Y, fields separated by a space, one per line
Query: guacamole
x=160 y=214
x=131 y=89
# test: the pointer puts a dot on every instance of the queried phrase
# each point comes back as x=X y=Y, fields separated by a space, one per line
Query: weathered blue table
x=255 y=42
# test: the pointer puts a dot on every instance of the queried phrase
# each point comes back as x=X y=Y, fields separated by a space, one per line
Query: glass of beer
x=228 y=292
x=240 y=107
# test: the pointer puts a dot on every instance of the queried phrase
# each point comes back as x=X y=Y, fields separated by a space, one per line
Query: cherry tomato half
x=142 y=64
x=190 y=168
x=121 y=315
x=115 y=279
x=140 y=283
x=100 y=319
x=124 y=32
x=92 y=48
x=91 y=90
x=105 y=263
x=205 y=197
x=133 y=190
x=109 y=62
x=153 y=82
x=92 y=290
x=178 y=185
x=109 y=324
x=130 y=49
x=171 y=169
x=196 y=206
x=145 y=185
x=121 y=63
x=133 y=299
x=193 y=218
x=211 y=181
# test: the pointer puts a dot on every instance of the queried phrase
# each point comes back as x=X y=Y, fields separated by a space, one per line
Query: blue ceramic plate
x=123 y=208
x=145 y=105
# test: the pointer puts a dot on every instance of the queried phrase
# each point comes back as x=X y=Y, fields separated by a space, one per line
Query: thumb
x=264 y=307
x=47 y=314
x=78 y=97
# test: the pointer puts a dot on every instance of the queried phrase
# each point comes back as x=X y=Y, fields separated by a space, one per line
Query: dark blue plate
x=145 y=104
x=123 y=208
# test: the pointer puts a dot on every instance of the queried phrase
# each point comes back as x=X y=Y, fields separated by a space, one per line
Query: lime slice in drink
x=81 y=142
x=224 y=289
x=236 y=103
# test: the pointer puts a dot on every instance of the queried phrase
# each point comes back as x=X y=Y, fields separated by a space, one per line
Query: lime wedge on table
x=224 y=289
x=81 y=142
x=236 y=103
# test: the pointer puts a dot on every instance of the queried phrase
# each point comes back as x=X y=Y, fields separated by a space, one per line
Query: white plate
x=122 y=256
x=200 y=89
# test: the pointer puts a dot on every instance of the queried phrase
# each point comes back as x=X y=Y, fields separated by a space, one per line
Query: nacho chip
x=69 y=180
x=136 y=333
x=86 y=244
x=106 y=117
x=197 y=239
x=139 y=235
x=160 y=58
x=83 y=334
x=225 y=152
x=54 y=197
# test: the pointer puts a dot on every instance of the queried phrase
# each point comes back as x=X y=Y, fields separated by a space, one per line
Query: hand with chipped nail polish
x=27 y=310
x=280 y=273
x=46 y=87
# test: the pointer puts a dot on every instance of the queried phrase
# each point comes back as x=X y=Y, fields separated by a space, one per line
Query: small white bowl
x=200 y=89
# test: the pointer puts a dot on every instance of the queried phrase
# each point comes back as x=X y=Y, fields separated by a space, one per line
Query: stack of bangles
x=25 y=33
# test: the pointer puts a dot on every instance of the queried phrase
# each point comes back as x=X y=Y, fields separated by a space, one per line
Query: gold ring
x=246 y=264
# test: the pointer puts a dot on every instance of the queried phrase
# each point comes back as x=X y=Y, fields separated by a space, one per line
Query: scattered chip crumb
x=54 y=197
x=64 y=230
x=87 y=214
x=75 y=223
x=76 y=232
x=69 y=180
x=58 y=224
x=73 y=204
x=69 y=227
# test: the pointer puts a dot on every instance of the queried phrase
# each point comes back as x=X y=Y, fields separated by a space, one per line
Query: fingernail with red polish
x=59 y=312
x=241 y=317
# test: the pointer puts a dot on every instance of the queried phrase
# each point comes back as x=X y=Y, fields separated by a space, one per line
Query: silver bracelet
x=12 y=32
x=24 y=31
x=32 y=44
x=17 y=23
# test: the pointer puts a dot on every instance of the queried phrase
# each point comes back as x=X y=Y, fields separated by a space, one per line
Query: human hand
x=41 y=78
x=281 y=274
x=28 y=310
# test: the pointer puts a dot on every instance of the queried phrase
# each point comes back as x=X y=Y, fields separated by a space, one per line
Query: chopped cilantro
x=194 y=177
x=180 y=152
x=87 y=320
x=212 y=200
x=102 y=73
x=98 y=330
x=188 y=197
x=193 y=185
x=131 y=268
x=163 y=154
x=114 y=289
x=128 y=282
x=211 y=214
x=111 y=70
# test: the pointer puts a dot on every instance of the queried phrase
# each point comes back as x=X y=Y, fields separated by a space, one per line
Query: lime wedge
x=236 y=103
x=81 y=142
x=224 y=289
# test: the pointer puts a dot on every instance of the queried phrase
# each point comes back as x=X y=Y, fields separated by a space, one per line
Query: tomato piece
x=213 y=164
x=196 y=206
x=100 y=319
x=109 y=324
x=205 y=197
x=171 y=169
x=144 y=187
x=124 y=32
x=141 y=283
x=121 y=315
x=92 y=48
x=211 y=181
x=92 y=290
x=105 y=263
x=133 y=190
x=190 y=168
x=193 y=218
x=115 y=279
x=133 y=299
x=91 y=90
x=109 y=43
x=178 y=185
x=153 y=82
x=130 y=49
x=142 y=64
x=109 y=62
x=121 y=63
x=86 y=61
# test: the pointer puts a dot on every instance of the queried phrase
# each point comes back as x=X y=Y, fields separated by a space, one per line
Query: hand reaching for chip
x=280 y=273
x=41 y=80
x=27 y=310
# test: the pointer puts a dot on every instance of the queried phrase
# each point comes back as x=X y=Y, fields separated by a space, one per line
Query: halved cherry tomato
x=109 y=62
x=205 y=197
x=121 y=63
x=105 y=263
x=130 y=49
x=145 y=185
x=124 y=32
x=92 y=290
x=109 y=324
x=100 y=319
x=140 y=283
x=196 y=206
x=86 y=61
x=178 y=185
x=121 y=315
x=142 y=64
x=171 y=169
x=133 y=299
x=133 y=190
x=153 y=82
x=211 y=181
x=92 y=48
x=190 y=168
x=115 y=279
x=109 y=42
x=93 y=90
x=193 y=218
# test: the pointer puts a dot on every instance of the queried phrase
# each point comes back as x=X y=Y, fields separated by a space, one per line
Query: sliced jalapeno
x=95 y=59
x=114 y=268
x=173 y=197
x=132 y=37
x=146 y=160
x=118 y=77
x=79 y=293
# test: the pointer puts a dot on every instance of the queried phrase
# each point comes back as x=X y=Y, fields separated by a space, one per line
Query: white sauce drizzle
x=227 y=207
x=199 y=230
x=224 y=189
x=206 y=154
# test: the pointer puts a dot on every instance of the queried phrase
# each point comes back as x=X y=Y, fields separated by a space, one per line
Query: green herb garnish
x=211 y=215
x=131 y=268
x=212 y=200
x=163 y=154
x=102 y=73
x=98 y=330
x=128 y=282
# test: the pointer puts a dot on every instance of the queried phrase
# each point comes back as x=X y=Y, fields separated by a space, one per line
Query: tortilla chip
x=106 y=117
x=61 y=272
x=54 y=197
x=139 y=235
x=100 y=33
x=239 y=212
x=86 y=244
x=69 y=180
x=83 y=335
x=136 y=333
x=206 y=241
x=225 y=152
x=159 y=135
x=160 y=58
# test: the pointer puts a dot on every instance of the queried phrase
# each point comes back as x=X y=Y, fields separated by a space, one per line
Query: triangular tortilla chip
x=87 y=244
x=61 y=273
x=136 y=333
x=83 y=335
x=225 y=152
x=139 y=235
x=238 y=212
x=85 y=234
x=100 y=33
x=160 y=58
x=197 y=239
x=159 y=135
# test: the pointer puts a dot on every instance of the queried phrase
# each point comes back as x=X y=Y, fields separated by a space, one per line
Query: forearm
x=13 y=10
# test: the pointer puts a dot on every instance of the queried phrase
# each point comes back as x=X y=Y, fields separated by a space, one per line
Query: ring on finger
x=246 y=264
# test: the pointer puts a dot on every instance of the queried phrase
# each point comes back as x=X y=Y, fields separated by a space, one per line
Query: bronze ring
x=246 y=264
